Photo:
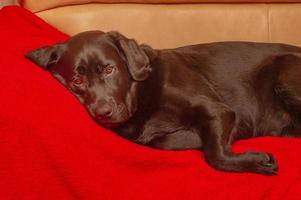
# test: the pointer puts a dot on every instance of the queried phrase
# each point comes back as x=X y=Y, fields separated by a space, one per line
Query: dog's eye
x=108 y=69
x=81 y=70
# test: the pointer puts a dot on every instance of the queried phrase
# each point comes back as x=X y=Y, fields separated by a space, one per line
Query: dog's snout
x=104 y=112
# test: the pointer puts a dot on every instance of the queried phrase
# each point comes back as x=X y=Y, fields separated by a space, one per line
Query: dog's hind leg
x=288 y=88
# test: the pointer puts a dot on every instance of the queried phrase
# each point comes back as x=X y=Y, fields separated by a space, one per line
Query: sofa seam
x=268 y=23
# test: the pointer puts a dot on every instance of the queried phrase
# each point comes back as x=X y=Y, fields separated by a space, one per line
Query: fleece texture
x=51 y=149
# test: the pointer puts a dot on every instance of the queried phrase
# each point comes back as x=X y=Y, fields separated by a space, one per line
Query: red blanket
x=51 y=149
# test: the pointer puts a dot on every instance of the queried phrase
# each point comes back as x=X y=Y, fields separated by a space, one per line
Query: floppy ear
x=137 y=61
x=46 y=56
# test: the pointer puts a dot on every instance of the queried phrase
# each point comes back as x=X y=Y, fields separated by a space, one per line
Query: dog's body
x=196 y=97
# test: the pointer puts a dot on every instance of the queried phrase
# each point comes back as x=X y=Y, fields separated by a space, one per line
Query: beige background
x=7 y=2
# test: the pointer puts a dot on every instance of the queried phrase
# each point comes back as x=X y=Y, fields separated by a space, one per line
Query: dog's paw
x=263 y=163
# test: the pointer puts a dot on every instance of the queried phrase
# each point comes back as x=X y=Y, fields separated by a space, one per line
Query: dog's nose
x=104 y=111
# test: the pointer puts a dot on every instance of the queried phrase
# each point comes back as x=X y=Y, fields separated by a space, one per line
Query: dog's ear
x=47 y=55
x=137 y=60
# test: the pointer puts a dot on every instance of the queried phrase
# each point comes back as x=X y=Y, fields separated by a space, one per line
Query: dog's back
x=242 y=74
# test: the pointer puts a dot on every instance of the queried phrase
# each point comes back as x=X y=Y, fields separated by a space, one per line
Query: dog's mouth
x=119 y=116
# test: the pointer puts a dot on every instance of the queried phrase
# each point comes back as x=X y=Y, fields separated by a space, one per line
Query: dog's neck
x=147 y=94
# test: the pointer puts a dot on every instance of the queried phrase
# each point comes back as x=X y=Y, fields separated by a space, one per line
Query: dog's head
x=101 y=69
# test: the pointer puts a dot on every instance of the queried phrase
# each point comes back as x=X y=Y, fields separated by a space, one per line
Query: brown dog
x=197 y=97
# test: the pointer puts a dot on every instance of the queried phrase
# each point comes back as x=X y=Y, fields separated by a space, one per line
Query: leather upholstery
x=167 y=26
x=38 y=5
x=285 y=23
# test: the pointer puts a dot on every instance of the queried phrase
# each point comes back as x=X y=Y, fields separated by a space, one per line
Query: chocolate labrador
x=203 y=96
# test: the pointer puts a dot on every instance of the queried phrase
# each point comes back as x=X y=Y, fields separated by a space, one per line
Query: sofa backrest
x=163 y=24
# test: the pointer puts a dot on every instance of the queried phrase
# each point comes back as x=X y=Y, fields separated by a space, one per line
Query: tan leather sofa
x=173 y=23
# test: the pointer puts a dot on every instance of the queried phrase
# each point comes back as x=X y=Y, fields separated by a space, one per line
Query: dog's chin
x=113 y=123
x=110 y=125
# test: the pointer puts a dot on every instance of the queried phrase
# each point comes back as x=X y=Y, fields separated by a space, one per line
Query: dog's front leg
x=216 y=137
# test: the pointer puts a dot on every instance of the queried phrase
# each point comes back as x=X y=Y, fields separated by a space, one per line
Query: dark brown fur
x=202 y=97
